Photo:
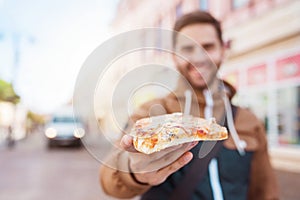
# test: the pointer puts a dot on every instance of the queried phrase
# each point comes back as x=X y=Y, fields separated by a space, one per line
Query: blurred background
x=43 y=45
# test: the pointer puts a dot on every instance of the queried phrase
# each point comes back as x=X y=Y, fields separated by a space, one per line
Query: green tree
x=7 y=92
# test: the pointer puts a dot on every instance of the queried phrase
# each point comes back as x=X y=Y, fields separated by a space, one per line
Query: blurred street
x=289 y=185
x=80 y=55
x=31 y=171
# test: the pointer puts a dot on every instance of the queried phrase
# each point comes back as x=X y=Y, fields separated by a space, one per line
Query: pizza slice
x=156 y=133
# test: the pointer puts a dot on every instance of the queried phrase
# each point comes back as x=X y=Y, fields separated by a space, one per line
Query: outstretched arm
x=136 y=172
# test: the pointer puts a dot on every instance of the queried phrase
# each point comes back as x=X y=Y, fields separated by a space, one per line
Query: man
x=240 y=169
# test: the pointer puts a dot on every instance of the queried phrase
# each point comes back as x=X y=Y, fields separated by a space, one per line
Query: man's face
x=202 y=54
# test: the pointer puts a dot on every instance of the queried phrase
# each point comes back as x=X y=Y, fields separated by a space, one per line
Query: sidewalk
x=289 y=183
x=286 y=158
x=286 y=162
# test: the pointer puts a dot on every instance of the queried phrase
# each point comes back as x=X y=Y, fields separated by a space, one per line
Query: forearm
x=117 y=181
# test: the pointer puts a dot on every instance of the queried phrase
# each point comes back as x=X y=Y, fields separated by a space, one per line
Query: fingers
x=174 y=150
x=158 y=177
x=127 y=143
x=175 y=166
x=173 y=153
x=161 y=175
x=166 y=158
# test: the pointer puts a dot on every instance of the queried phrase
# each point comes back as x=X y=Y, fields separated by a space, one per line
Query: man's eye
x=208 y=47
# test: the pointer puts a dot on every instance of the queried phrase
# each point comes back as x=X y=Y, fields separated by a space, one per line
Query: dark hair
x=194 y=18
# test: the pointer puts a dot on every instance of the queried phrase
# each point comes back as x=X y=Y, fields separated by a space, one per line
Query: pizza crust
x=157 y=133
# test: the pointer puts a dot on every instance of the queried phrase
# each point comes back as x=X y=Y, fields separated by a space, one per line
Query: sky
x=43 y=44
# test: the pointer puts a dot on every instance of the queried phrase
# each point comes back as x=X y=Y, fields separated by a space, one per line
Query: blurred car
x=64 y=130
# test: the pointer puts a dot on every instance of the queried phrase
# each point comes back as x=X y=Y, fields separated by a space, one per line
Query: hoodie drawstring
x=240 y=144
x=208 y=113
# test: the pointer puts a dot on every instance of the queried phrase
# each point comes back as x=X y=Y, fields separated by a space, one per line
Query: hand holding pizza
x=160 y=145
x=154 y=168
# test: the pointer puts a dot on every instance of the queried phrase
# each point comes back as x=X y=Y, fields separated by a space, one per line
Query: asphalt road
x=30 y=171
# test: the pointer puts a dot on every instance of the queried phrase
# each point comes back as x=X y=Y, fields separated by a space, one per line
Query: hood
x=217 y=88
x=212 y=102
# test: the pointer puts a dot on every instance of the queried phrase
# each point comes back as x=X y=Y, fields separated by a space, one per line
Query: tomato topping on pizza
x=156 y=133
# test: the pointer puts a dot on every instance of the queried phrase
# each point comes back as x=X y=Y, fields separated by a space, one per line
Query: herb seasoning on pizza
x=156 y=133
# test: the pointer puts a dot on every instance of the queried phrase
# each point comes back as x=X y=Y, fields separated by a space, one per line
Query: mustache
x=204 y=63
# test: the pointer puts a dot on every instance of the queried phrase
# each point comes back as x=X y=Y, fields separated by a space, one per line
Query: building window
x=289 y=115
x=204 y=5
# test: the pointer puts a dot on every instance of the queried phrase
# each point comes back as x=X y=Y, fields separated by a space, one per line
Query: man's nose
x=198 y=56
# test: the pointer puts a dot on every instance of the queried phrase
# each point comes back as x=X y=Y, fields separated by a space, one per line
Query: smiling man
x=238 y=168
x=200 y=68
